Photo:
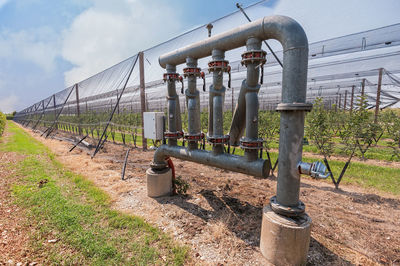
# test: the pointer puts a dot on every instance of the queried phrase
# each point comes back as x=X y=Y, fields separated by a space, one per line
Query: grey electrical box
x=153 y=125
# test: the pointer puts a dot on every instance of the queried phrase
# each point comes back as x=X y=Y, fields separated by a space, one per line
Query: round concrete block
x=284 y=240
x=159 y=183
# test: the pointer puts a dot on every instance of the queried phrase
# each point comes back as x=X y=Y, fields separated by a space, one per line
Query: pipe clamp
x=294 y=107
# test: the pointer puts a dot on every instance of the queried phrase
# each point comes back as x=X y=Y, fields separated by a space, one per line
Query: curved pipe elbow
x=285 y=30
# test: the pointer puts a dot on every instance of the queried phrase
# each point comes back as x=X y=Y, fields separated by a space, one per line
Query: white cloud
x=3 y=2
x=40 y=46
x=8 y=104
x=111 y=31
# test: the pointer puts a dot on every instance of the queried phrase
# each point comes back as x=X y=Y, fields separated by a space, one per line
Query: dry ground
x=220 y=218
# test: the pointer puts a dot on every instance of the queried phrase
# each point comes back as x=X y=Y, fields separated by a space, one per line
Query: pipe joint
x=192 y=95
x=218 y=92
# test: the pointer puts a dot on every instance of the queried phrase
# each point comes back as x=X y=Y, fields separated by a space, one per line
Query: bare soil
x=220 y=218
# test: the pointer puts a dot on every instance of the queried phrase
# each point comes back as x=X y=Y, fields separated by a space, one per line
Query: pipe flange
x=171 y=77
x=192 y=71
x=254 y=57
x=219 y=65
x=218 y=140
x=286 y=210
x=194 y=137
x=158 y=166
x=251 y=144
x=294 y=107
x=191 y=95
x=173 y=135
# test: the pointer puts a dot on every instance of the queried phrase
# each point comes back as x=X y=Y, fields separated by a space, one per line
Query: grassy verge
x=71 y=210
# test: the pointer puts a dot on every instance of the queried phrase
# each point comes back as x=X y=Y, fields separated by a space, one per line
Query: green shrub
x=2 y=123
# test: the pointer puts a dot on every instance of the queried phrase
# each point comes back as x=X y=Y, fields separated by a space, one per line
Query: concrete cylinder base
x=284 y=240
x=159 y=183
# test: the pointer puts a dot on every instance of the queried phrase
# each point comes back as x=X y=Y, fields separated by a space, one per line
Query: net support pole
x=352 y=99
x=378 y=95
x=362 y=87
x=78 y=109
x=142 y=96
x=104 y=135
x=42 y=114
x=233 y=100
x=50 y=129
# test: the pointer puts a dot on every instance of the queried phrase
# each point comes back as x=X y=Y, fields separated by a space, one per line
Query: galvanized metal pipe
x=217 y=91
x=294 y=79
x=193 y=104
x=252 y=89
x=258 y=168
x=174 y=113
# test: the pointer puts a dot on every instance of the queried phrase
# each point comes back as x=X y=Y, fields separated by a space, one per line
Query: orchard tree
x=391 y=122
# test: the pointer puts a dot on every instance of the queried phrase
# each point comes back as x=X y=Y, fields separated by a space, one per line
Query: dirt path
x=220 y=219
x=14 y=228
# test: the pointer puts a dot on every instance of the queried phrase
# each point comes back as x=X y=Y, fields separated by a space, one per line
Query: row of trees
x=331 y=131
x=351 y=132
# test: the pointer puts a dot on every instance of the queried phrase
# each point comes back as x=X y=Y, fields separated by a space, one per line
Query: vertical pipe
x=352 y=99
x=345 y=100
x=142 y=96
x=173 y=106
x=193 y=103
x=253 y=72
x=340 y=100
x=218 y=92
x=378 y=96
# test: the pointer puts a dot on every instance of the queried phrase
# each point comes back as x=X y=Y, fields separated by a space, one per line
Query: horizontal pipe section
x=257 y=168
x=284 y=29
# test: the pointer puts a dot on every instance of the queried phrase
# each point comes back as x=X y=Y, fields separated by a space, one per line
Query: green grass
x=368 y=176
x=71 y=209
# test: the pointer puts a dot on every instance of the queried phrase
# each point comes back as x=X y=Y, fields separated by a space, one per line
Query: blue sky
x=46 y=45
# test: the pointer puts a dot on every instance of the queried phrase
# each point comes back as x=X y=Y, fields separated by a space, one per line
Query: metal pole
x=340 y=100
x=345 y=100
x=78 y=109
x=233 y=100
x=50 y=129
x=352 y=98
x=363 y=87
x=104 y=135
x=378 y=95
x=142 y=96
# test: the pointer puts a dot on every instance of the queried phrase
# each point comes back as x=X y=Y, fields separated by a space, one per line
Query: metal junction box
x=153 y=125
